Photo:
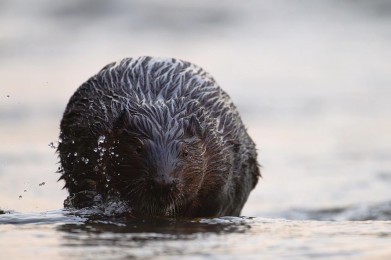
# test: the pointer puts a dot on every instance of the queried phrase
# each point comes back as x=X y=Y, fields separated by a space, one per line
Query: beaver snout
x=163 y=183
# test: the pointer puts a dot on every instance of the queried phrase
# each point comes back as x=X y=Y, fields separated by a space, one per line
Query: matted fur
x=162 y=136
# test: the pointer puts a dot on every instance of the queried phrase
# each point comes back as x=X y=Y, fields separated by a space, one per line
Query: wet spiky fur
x=162 y=135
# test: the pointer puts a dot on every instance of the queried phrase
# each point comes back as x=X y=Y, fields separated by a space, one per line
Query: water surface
x=311 y=80
x=68 y=235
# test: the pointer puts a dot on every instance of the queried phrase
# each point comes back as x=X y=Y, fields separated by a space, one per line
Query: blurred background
x=310 y=78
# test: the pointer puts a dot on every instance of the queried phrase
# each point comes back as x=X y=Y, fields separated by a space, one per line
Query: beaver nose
x=164 y=180
x=163 y=183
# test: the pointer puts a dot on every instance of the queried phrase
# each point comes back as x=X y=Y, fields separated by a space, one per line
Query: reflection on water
x=87 y=237
x=174 y=229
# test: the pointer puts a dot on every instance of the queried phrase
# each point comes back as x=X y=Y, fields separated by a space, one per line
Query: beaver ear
x=194 y=127
x=120 y=123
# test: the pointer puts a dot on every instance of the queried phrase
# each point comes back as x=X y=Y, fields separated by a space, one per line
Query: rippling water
x=310 y=78
x=65 y=235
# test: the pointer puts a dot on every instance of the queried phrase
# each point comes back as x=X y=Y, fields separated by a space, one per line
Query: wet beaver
x=160 y=135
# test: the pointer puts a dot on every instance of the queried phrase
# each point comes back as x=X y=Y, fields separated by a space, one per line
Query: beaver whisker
x=170 y=208
x=135 y=189
x=129 y=184
x=178 y=202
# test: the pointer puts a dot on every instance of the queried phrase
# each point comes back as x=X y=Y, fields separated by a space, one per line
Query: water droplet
x=86 y=161
x=20 y=196
x=25 y=191
x=42 y=183
x=59 y=140
x=73 y=141
x=107 y=185
x=75 y=154
x=95 y=149
x=51 y=145
x=101 y=139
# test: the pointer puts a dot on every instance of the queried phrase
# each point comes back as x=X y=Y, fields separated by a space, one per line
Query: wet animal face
x=158 y=173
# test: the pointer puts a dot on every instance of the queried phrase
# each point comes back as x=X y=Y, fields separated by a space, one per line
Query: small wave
x=3 y=212
x=362 y=212
x=95 y=220
x=47 y=217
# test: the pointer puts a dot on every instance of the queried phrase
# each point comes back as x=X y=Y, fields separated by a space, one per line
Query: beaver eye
x=184 y=151
x=139 y=149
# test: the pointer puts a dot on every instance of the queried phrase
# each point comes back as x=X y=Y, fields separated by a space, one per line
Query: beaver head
x=157 y=163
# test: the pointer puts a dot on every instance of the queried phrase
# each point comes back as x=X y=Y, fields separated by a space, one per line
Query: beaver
x=160 y=135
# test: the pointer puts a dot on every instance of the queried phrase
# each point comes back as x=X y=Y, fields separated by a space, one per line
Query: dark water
x=310 y=78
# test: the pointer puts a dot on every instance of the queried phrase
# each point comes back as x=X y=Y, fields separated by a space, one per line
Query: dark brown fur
x=159 y=135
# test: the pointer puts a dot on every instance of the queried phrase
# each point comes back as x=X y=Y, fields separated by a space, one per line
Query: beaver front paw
x=83 y=199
